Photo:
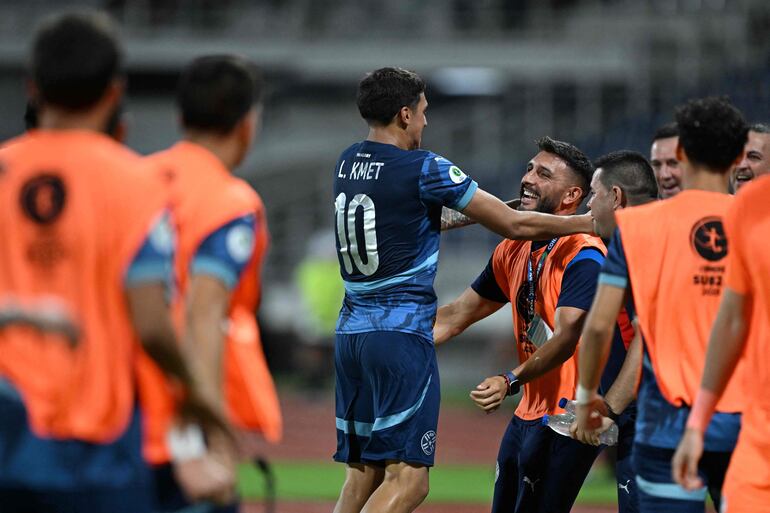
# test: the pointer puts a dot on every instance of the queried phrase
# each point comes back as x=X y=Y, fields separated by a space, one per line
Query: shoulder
x=571 y=245
x=508 y=249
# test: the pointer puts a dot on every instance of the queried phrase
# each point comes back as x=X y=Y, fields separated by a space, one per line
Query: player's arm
x=215 y=270
x=623 y=389
x=495 y=215
x=451 y=219
x=726 y=344
x=453 y=318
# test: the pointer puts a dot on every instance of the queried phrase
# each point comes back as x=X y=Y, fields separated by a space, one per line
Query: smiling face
x=667 y=170
x=545 y=184
x=755 y=161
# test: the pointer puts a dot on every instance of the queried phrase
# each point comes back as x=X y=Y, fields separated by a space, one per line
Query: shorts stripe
x=670 y=490
x=380 y=423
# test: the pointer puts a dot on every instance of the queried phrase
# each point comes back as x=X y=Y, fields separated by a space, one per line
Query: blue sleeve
x=578 y=285
x=154 y=262
x=486 y=285
x=615 y=268
x=443 y=183
x=225 y=253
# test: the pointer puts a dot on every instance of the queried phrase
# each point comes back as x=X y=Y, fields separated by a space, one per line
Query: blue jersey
x=388 y=217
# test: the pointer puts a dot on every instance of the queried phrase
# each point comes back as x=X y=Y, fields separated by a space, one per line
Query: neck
x=699 y=179
x=54 y=118
x=390 y=134
x=223 y=147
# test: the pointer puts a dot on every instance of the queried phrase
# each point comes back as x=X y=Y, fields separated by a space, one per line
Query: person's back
x=84 y=226
x=388 y=206
x=671 y=256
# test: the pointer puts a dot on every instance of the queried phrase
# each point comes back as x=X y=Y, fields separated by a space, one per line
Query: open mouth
x=743 y=177
x=528 y=195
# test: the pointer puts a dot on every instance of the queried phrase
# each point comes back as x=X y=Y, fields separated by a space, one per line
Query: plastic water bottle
x=561 y=423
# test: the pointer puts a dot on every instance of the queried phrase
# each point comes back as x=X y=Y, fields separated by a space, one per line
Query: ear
x=572 y=196
x=681 y=156
x=404 y=117
x=619 y=198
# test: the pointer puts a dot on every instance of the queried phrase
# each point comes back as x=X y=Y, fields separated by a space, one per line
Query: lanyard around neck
x=533 y=277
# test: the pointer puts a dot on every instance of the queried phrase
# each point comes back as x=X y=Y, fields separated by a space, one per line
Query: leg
x=714 y=466
x=657 y=491
x=360 y=483
x=404 y=488
x=507 y=470
x=569 y=462
x=533 y=455
x=628 y=496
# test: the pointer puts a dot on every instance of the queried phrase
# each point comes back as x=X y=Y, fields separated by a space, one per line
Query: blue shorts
x=539 y=470
x=658 y=492
x=72 y=476
x=628 y=495
x=387 y=398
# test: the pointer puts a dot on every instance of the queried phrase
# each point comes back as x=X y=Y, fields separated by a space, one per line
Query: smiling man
x=664 y=162
x=550 y=285
x=756 y=157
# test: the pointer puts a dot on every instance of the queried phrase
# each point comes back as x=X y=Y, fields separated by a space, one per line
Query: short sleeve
x=578 y=286
x=614 y=272
x=737 y=276
x=155 y=259
x=486 y=284
x=226 y=252
x=443 y=183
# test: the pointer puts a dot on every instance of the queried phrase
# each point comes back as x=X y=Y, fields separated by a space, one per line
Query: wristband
x=702 y=410
x=186 y=443
x=583 y=395
x=611 y=413
x=512 y=384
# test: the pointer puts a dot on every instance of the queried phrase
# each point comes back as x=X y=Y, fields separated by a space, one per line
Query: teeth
x=528 y=194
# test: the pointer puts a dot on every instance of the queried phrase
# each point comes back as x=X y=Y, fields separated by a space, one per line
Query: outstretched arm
x=453 y=219
x=453 y=318
x=495 y=215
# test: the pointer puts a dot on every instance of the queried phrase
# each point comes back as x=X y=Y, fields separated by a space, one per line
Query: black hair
x=75 y=57
x=383 y=92
x=666 y=131
x=760 y=128
x=712 y=132
x=631 y=172
x=576 y=160
x=215 y=92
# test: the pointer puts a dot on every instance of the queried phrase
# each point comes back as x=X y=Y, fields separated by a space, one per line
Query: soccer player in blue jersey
x=388 y=200
x=622 y=179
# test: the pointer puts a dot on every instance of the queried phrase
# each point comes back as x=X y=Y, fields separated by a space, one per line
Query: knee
x=413 y=484
x=359 y=487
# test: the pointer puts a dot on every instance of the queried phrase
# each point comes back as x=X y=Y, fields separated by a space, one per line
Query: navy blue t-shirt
x=387 y=206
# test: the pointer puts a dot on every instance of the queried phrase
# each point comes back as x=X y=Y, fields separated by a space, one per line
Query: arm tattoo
x=453 y=219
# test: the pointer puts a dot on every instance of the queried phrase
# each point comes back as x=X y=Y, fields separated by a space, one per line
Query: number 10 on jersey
x=349 y=245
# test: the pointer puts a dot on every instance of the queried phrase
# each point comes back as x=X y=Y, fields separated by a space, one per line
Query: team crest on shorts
x=428 y=442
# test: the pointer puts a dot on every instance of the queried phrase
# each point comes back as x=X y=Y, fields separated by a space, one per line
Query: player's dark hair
x=760 y=128
x=666 y=131
x=75 y=57
x=631 y=172
x=215 y=92
x=383 y=92
x=30 y=116
x=712 y=132
x=576 y=160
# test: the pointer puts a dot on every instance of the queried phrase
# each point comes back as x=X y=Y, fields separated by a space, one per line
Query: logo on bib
x=456 y=175
x=428 y=442
x=708 y=239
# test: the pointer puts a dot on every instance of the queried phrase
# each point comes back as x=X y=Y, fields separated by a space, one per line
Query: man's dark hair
x=576 y=160
x=383 y=92
x=712 y=132
x=215 y=92
x=75 y=57
x=760 y=128
x=631 y=172
x=666 y=131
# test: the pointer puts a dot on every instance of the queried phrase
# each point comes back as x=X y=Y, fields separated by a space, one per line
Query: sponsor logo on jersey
x=456 y=175
x=240 y=243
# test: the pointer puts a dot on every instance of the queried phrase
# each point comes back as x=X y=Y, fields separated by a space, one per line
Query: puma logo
x=624 y=487
x=531 y=483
